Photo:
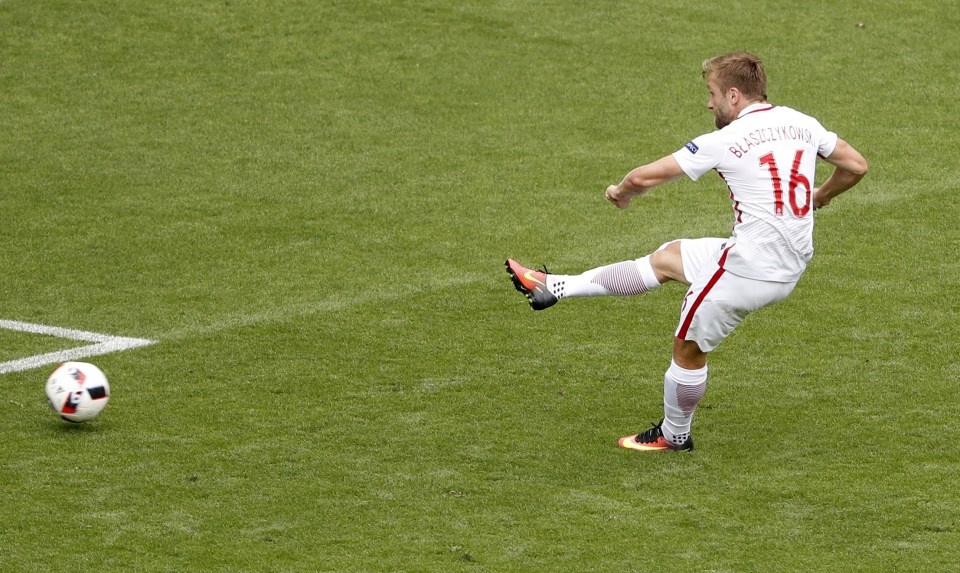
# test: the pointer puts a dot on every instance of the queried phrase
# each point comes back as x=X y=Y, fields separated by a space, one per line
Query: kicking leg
x=626 y=278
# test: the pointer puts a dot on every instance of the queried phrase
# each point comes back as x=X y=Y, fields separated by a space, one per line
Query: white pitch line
x=54 y=331
x=105 y=344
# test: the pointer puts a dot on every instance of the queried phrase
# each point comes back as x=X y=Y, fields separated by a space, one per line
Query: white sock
x=623 y=279
x=682 y=391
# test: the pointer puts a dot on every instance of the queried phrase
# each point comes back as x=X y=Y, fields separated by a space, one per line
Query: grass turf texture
x=308 y=205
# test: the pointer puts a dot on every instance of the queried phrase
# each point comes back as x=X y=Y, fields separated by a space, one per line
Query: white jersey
x=767 y=157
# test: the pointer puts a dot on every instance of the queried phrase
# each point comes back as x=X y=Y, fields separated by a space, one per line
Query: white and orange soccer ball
x=78 y=391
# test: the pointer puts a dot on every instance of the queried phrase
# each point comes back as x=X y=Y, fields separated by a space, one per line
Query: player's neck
x=753 y=105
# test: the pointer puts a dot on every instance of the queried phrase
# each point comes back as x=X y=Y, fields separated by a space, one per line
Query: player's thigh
x=718 y=301
x=698 y=254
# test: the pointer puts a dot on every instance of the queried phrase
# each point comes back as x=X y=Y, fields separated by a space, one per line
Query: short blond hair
x=741 y=70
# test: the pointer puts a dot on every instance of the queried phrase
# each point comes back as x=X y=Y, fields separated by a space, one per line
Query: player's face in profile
x=722 y=112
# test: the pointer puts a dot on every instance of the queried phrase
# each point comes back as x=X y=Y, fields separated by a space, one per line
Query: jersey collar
x=759 y=106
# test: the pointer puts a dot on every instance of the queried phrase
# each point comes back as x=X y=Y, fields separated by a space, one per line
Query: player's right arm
x=642 y=179
x=850 y=169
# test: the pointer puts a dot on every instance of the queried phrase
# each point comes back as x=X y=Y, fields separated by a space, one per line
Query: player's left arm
x=642 y=179
x=850 y=169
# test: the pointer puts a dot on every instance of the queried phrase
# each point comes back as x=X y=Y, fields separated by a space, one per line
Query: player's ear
x=734 y=95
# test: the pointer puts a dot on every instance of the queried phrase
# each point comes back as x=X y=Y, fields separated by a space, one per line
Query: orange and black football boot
x=653 y=441
x=533 y=285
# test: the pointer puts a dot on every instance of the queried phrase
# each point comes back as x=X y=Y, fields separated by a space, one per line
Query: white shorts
x=718 y=300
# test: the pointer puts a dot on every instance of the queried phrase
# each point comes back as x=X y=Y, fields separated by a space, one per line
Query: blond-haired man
x=767 y=156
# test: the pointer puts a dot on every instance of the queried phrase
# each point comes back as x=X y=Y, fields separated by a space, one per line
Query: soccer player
x=767 y=157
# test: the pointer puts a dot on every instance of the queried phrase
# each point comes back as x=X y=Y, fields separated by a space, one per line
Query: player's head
x=739 y=72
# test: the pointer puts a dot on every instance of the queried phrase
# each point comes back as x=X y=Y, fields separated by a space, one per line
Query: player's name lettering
x=767 y=134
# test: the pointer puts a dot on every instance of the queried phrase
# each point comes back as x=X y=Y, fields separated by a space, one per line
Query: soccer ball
x=78 y=391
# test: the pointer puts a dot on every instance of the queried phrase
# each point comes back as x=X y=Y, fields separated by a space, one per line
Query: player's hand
x=617 y=197
x=818 y=199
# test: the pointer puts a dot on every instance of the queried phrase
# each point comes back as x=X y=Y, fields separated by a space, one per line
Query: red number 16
x=796 y=180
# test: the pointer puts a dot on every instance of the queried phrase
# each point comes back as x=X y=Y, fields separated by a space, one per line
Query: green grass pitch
x=308 y=204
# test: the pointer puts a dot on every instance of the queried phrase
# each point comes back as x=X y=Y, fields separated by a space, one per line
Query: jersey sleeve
x=826 y=141
x=700 y=155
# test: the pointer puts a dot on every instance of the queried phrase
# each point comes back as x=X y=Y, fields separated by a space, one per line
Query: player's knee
x=687 y=354
x=669 y=245
x=667 y=262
